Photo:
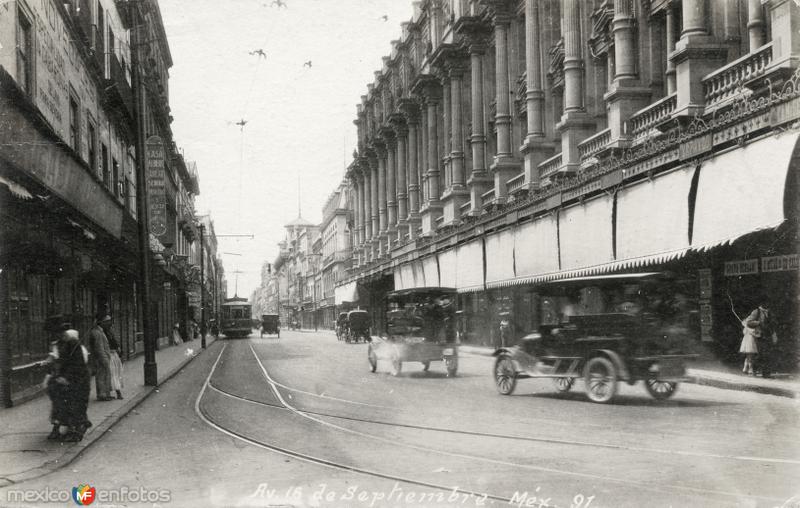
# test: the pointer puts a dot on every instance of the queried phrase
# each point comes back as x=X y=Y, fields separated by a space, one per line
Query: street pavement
x=300 y=421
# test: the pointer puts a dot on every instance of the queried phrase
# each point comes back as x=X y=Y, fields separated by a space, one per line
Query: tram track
x=315 y=417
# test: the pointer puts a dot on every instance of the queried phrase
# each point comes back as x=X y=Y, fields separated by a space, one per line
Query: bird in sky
x=259 y=52
x=384 y=17
x=278 y=4
x=307 y=64
x=241 y=123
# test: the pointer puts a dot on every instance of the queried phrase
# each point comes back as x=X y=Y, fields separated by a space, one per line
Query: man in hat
x=759 y=325
x=101 y=357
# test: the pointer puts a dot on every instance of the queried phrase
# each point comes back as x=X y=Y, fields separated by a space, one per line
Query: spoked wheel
x=563 y=384
x=451 y=362
x=373 y=360
x=601 y=379
x=660 y=390
x=397 y=366
x=505 y=375
x=426 y=366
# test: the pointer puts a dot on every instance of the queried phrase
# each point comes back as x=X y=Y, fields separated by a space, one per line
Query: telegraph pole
x=150 y=366
x=202 y=287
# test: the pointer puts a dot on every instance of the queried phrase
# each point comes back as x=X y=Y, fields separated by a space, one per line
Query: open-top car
x=357 y=326
x=420 y=328
x=270 y=324
x=605 y=329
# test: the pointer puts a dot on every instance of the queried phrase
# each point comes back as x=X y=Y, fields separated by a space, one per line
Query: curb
x=692 y=378
x=99 y=431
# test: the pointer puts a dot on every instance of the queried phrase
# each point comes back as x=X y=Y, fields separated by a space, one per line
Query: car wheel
x=563 y=384
x=601 y=379
x=660 y=390
x=373 y=360
x=451 y=362
x=505 y=375
x=397 y=366
x=426 y=366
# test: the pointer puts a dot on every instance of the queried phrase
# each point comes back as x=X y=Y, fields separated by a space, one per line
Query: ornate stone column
x=671 y=28
x=432 y=208
x=380 y=150
x=401 y=133
x=626 y=95
x=575 y=124
x=413 y=171
x=373 y=181
x=696 y=54
x=391 y=185
x=504 y=166
x=479 y=180
x=755 y=24
x=536 y=148
x=456 y=193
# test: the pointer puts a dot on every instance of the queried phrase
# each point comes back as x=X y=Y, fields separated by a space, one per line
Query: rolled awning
x=653 y=216
x=585 y=237
x=469 y=267
x=430 y=271
x=448 y=269
x=742 y=190
x=500 y=257
x=345 y=293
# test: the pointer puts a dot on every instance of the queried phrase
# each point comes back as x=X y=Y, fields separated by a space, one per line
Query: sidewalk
x=25 y=451
x=712 y=373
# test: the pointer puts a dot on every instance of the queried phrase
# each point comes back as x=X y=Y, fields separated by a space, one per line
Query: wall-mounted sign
x=156 y=186
x=704 y=281
x=741 y=267
x=780 y=263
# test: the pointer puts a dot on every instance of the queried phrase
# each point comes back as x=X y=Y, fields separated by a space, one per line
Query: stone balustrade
x=641 y=123
x=550 y=166
x=726 y=82
x=592 y=145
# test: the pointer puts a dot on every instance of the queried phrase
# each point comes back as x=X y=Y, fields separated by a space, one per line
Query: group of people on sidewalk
x=71 y=365
x=758 y=341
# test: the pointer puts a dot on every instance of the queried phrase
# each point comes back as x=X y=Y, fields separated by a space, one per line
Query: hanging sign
x=780 y=263
x=743 y=267
x=156 y=186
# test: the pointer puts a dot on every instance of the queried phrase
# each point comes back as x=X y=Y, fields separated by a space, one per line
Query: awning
x=536 y=247
x=500 y=257
x=469 y=266
x=585 y=234
x=430 y=272
x=345 y=293
x=742 y=190
x=404 y=277
x=653 y=216
x=448 y=269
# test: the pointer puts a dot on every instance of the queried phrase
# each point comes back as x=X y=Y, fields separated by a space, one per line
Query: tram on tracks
x=237 y=317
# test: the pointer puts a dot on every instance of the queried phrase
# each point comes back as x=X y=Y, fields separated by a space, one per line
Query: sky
x=299 y=136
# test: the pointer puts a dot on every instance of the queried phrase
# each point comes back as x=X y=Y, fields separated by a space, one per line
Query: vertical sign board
x=156 y=187
x=706 y=315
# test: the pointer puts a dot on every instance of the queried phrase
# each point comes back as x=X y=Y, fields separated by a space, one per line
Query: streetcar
x=237 y=319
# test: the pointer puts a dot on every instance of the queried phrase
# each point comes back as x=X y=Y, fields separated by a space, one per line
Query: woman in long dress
x=115 y=364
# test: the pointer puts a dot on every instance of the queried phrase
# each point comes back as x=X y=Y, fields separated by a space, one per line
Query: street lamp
x=202 y=288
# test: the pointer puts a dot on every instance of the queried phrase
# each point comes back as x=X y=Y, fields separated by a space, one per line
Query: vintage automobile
x=270 y=324
x=605 y=329
x=341 y=326
x=420 y=328
x=357 y=326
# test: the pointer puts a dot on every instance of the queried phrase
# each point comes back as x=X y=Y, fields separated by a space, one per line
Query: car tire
x=426 y=366
x=505 y=375
x=601 y=379
x=563 y=384
x=660 y=390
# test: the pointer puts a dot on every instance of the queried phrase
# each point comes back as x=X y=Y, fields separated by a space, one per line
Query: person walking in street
x=68 y=386
x=101 y=357
x=115 y=362
x=759 y=322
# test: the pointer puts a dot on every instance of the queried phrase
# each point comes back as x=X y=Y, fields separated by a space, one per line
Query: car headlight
x=654 y=368
x=448 y=351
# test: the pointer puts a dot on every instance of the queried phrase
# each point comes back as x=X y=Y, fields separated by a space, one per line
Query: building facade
x=508 y=142
x=68 y=179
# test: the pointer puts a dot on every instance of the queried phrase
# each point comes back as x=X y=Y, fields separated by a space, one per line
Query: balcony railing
x=487 y=198
x=550 y=166
x=594 y=144
x=117 y=86
x=643 y=121
x=726 y=82
x=516 y=183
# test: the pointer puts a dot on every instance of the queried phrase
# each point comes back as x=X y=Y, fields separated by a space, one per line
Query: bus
x=237 y=319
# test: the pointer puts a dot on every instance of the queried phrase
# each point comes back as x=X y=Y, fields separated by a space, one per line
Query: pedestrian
x=748 y=346
x=101 y=357
x=176 y=335
x=68 y=386
x=115 y=362
x=759 y=322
